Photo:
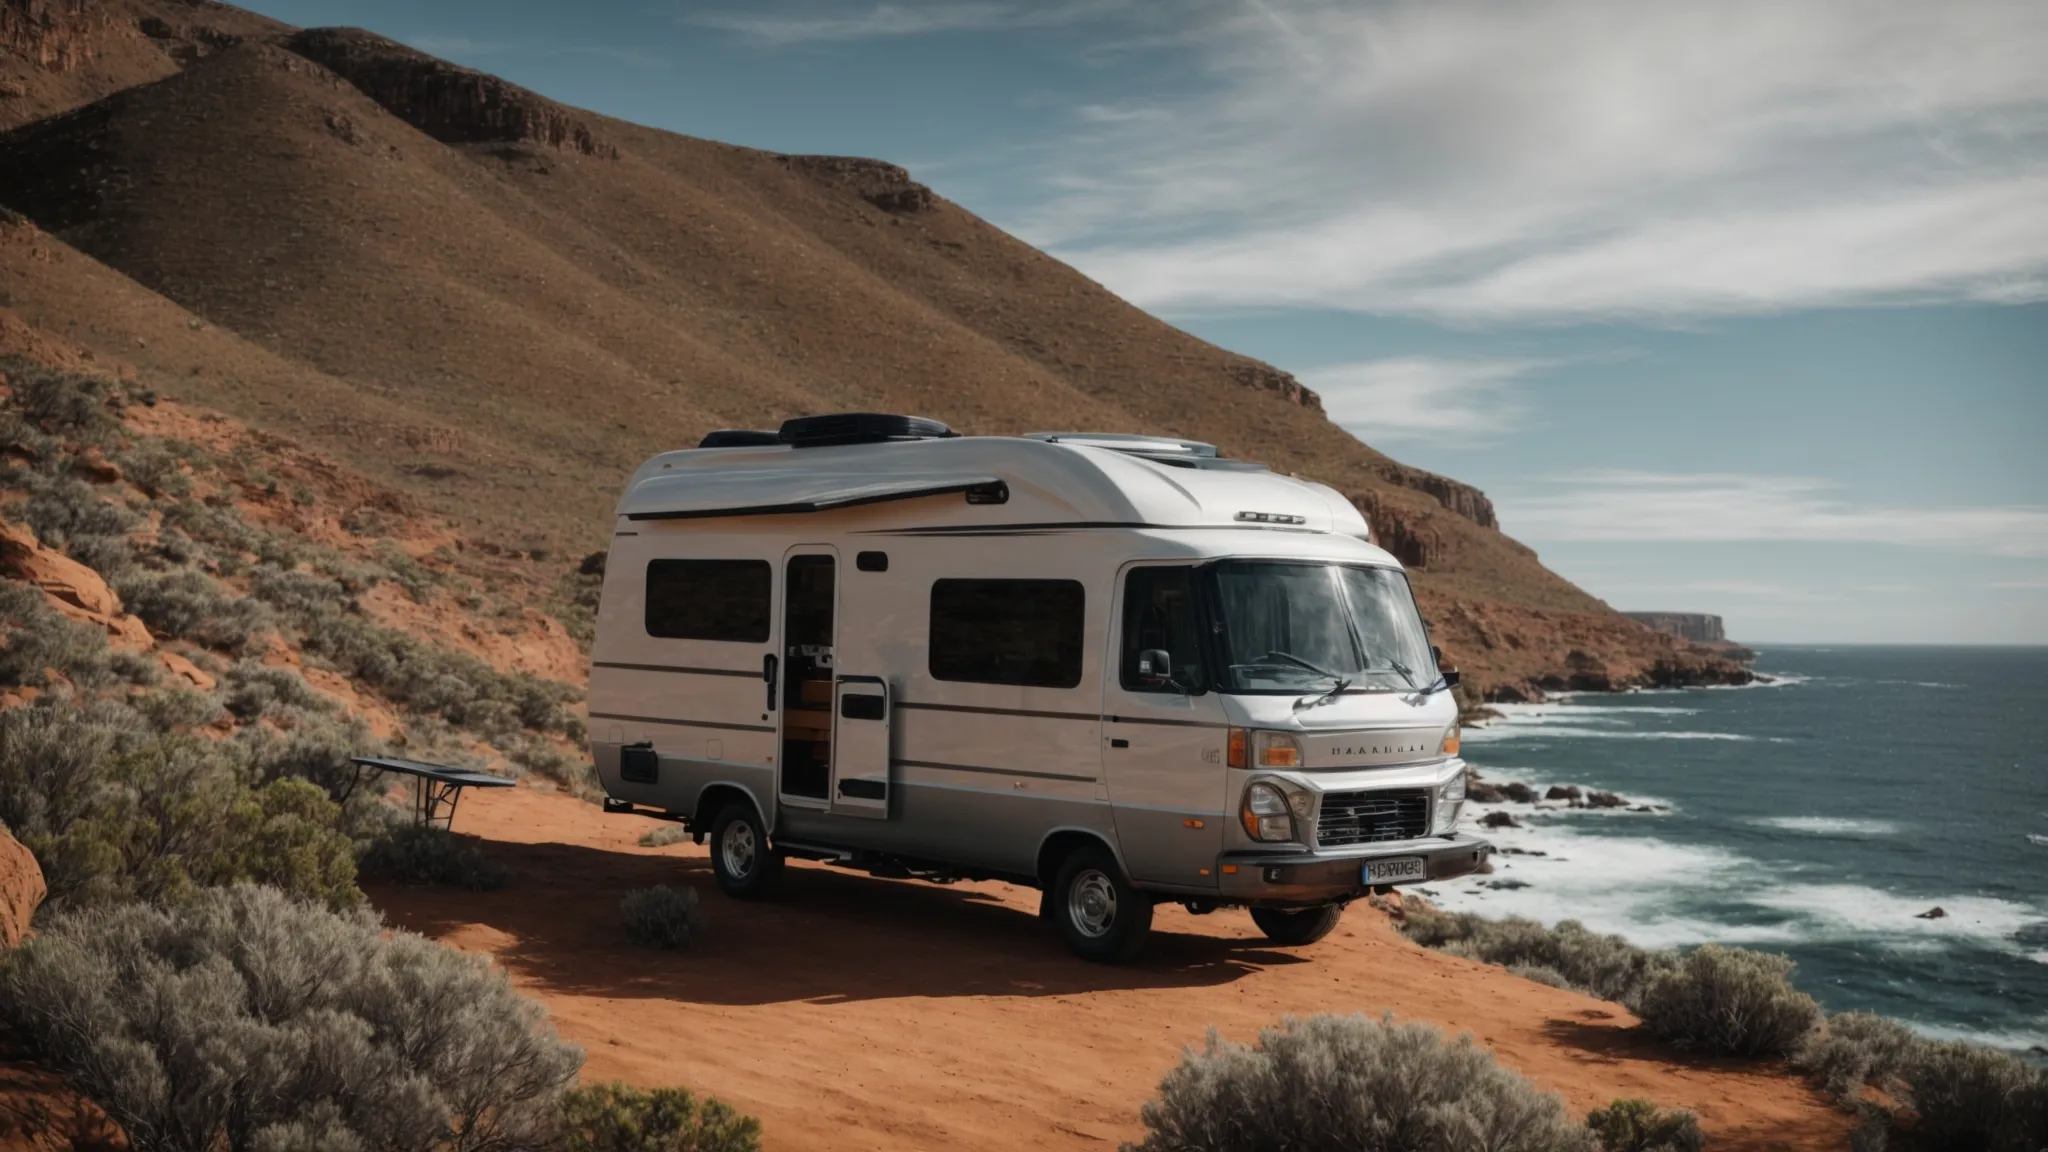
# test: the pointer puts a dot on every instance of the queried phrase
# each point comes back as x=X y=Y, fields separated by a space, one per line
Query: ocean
x=1818 y=816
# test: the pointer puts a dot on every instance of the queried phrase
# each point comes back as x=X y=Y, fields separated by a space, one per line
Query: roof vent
x=740 y=438
x=1157 y=449
x=858 y=428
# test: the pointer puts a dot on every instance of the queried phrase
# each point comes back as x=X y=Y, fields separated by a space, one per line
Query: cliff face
x=1697 y=627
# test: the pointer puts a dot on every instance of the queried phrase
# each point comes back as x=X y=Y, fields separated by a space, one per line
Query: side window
x=1159 y=616
x=1008 y=631
x=709 y=600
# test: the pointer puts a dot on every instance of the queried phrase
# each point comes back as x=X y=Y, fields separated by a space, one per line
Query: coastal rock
x=1519 y=792
x=1563 y=792
x=1698 y=627
x=21 y=889
x=1935 y=913
x=1605 y=800
x=1498 y=820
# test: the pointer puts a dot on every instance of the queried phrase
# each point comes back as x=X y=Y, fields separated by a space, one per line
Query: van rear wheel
x=1297 y=926
x=741 y=860
x=1101 y=917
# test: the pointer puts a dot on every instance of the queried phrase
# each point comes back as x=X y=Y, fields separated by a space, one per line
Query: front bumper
x=1320 y=877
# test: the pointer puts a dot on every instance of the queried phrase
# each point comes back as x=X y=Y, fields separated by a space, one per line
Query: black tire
x=741 y=859
x=1297 y=926
x=1101 y=917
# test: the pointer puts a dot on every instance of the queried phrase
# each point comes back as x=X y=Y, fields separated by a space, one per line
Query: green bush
x=616 y=1118
x=1856 y=1048
x=1730 y=1002
x=65 y=403
x=66 y=508
x=115 y=811
x=194 y=606
x=1641 y=1126
x=241 y=1019
x=39 y=640
x=417 y=854
x=1354 y=1083
x=1605 y=966
x=662 y=917
x=1970 y=1098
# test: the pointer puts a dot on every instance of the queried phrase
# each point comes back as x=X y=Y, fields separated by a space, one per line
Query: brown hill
x=500 y=304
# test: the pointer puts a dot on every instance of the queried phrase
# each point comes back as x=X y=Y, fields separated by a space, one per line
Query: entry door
x=1163 y=732
x=810 y=610
x=860 y=747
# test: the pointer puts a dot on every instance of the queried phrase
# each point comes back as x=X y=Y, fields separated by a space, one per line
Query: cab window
x=1161 y=615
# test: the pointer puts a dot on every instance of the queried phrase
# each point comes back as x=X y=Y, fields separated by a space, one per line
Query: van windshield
x=1288 y=626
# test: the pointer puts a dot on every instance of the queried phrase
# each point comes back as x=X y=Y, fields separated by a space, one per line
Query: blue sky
x=1738 y=308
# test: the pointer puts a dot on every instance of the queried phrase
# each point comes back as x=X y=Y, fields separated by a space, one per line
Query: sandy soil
x=863 y=1013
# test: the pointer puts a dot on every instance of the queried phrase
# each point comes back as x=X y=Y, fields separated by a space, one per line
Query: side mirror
x=1450 y=678
x=1155 y=667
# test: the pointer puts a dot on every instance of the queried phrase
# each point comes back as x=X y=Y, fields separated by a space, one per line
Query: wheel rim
x=738 y=849
x=1091 y=903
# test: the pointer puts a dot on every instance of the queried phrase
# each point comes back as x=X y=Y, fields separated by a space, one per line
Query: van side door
x=1163 y=731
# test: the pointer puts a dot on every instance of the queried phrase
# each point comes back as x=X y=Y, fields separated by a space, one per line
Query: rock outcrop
x=1698 y=627
x=452 y=104
x=884 y=185
x=55 y=35
x=21 y=889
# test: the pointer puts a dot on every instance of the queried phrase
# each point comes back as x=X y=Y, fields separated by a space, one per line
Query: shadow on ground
x=827 y=936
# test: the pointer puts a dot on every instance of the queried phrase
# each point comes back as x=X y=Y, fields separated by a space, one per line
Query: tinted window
x=1008 y=631
x=709 y=600
x=1160 y=614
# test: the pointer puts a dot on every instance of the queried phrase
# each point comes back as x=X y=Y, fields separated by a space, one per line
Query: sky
x=1737 y=307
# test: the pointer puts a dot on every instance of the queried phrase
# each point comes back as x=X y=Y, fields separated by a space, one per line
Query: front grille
x=1370 y=817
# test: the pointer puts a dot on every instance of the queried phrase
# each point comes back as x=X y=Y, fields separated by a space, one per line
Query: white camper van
x=1119 y=669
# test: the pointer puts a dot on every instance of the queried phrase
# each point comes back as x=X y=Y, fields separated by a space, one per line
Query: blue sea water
x=1817 y=816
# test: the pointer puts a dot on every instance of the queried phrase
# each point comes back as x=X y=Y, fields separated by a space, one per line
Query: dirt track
x=862 y=1013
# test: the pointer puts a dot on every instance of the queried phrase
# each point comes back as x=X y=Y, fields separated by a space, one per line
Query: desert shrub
x=39 y=640
x=114 y=811
x=1730 y=1002
x=1354 y=1083
x=617 y=1118
x=301 y=596
x=193 y=606
x=316 y=748
x=254 y=690
x=110 y=556
x=1605 y=966
x=535 y=754
x=1976 y=1099
x=417 y=854
x=664 y=836
x=1856 y=1048
x=66 y=508
x=243 y=1019
x=1641 y=1126
x=62 y=402
x=459 y=687
x=154 y=469
x=134 y=668
x=177 y=710
x=417 y=580
x=662 y=917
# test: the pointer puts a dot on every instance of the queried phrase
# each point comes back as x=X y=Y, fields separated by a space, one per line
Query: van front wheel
x=1100 y=915
x=745 y=866
x=1304 y=926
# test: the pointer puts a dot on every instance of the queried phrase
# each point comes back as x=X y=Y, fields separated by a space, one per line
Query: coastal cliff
x=1698 y=627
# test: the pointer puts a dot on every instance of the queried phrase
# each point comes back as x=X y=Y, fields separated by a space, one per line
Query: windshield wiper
x=1440 y=684
x=1338 y=683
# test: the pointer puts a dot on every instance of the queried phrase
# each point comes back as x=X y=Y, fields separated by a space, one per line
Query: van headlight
x=1450 y=797
x=1450 y=745
x=1265 y=814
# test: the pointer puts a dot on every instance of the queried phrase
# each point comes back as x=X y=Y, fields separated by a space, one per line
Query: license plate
x=1396 y=871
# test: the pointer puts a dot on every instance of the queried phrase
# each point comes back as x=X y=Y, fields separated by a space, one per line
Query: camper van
x=1119 y=669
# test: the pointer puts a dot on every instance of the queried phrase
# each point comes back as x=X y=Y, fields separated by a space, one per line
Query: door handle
x=769 y=664
x=1117 y=742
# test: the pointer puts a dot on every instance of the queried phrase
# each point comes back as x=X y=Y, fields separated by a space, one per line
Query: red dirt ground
x=862 y=1013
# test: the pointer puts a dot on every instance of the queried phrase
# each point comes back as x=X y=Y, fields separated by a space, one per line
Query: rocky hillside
x=416 y=270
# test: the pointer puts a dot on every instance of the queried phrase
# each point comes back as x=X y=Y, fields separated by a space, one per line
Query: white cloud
x=1423 y=398
x=1569 y=159
x=1653 y=507
x=824 y=24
